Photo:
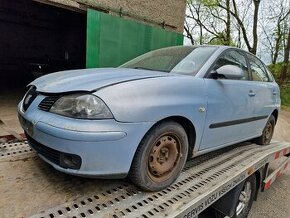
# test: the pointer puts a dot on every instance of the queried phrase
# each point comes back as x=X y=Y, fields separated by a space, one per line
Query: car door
x=265 y=91
x=229 y=107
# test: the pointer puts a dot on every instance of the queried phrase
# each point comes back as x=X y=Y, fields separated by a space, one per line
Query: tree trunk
x=286 y=60
x=278 y=40
x=201 y=35
x=228 y=24
x=255 y=22
x=200 y=26
x=188 y=34
x=277 y=49
x=235 y=14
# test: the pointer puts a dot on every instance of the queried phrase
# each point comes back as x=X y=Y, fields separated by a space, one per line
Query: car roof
x=220 y=47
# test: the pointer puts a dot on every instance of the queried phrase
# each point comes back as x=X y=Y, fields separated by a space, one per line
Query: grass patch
x=285 y=95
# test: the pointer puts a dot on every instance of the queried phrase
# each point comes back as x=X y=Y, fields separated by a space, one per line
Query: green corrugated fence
x=112 y=40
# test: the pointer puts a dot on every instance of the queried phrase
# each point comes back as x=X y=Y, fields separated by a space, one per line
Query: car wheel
x=160 y=157
x=268 y=131
x=246 y=199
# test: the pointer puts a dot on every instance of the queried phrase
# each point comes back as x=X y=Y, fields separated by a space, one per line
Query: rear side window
x=258 y=70
x=233 y=57
x=271 y=78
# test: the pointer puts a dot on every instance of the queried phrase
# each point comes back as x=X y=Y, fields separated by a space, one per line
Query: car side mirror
x=229 y=72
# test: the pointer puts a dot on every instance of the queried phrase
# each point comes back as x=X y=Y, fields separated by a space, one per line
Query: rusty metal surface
x=13 y=149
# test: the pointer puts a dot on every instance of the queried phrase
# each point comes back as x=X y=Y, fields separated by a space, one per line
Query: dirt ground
x=274 y=203
x=8 y=110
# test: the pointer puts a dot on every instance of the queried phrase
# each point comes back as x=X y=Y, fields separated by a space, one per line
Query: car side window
x=235 y=58
x=258 y=70
x=271 y=78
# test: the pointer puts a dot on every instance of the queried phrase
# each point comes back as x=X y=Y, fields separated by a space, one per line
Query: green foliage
x=285 y=95
x=220 y=40
x=285 y=87
x=209 y=3
x=276 y=70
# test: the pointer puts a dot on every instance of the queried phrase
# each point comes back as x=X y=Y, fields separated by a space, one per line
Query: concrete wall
x=171 y=12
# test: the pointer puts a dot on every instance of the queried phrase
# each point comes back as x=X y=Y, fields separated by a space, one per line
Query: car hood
x=90 y=79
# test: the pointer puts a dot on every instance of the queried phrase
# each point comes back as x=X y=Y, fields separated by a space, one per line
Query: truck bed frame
x=204 y=180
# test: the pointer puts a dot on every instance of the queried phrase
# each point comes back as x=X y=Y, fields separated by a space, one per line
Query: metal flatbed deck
x=203 y=181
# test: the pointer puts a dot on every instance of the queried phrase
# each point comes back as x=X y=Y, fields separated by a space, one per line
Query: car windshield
x=179 y=59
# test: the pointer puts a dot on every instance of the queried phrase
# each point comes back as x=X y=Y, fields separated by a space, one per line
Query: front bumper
x=106 y=147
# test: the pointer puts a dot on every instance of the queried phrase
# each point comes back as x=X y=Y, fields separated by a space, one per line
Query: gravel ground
x=275 y=202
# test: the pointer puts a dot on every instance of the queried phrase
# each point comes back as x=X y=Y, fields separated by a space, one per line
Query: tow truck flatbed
x=29 y=187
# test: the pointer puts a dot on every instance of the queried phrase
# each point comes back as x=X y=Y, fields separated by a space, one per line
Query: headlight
x=81 y=106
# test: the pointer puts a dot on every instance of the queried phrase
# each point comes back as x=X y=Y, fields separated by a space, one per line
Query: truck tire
x=160 y=157
x=268 y=132
x=246 y=199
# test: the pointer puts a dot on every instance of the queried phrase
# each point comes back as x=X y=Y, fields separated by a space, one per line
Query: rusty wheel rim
x=268 y=132
x=164 y=157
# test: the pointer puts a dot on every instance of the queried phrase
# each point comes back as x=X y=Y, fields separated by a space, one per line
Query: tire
x=268 y=131
x=245 y=201
x=160 y=157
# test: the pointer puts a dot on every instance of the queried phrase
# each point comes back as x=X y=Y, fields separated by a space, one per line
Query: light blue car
x=147 y=117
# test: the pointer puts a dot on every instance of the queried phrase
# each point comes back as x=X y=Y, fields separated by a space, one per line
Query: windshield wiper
x=144 y=68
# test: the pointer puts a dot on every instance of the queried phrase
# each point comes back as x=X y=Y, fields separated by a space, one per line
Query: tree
x=188 y=30
x=217 y=20
x=262 y=27
x=286 y=59
x=214 y=24
x=274 y=28
x=228 y=23
x=235 y=13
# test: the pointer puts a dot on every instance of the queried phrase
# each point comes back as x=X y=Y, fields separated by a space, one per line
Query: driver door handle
x=252 y=93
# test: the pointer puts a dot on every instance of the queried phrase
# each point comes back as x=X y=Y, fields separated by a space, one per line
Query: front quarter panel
x=151 y=100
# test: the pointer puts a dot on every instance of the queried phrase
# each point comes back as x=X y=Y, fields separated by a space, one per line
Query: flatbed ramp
x=29 y=187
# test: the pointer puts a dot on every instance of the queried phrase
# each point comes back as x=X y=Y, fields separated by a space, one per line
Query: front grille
x=47 y=103
x=49 y=153
x=57 y=157
x=29 y=97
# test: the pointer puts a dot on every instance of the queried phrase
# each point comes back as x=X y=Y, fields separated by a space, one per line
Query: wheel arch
x=275 y=114
x=187 y=126
x=139 y=180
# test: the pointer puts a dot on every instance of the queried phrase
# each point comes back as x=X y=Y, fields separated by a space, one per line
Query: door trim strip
x=236 y=122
